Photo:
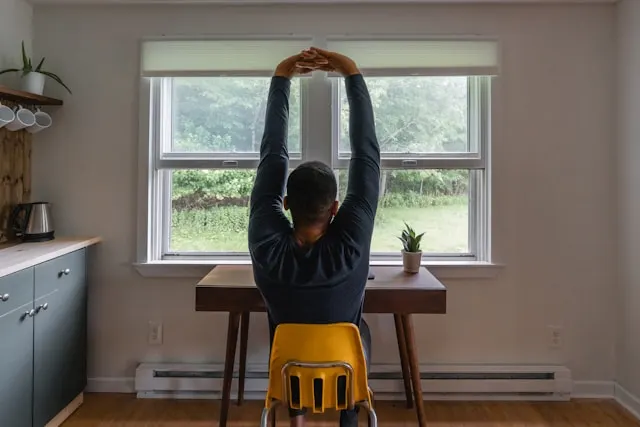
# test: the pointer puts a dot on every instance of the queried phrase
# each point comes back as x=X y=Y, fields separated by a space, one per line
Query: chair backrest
x=317 y=367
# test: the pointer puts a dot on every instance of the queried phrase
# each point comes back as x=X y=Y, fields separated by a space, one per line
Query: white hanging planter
x=34 y=83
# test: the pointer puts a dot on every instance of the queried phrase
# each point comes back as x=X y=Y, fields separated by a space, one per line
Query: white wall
x=628 y=349
x=15 y=26
x=553 y=208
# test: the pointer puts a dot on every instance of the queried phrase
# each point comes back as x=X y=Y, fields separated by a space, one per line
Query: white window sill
x=441 y=269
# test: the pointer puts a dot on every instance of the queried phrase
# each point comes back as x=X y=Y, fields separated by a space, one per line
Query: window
x=224 y=115
x=203 y=125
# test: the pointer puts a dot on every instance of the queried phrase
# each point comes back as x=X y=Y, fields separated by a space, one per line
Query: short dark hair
x=311 y=190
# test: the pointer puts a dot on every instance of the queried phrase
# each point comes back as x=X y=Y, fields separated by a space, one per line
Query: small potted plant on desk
x=33 y=79
x=411 y=253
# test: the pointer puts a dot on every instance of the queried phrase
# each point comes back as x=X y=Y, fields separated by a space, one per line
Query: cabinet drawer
x=63 y=273
x=16 y=290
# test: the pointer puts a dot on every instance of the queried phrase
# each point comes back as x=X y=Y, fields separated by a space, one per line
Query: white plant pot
x=34 y=83
x=411 y=261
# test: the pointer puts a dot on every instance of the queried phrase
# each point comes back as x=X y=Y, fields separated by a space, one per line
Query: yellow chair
x=318 y=367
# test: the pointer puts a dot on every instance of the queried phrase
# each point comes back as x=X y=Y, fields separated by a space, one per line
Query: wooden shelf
x=26 y=97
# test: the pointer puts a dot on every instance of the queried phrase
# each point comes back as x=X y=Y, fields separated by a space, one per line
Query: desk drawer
x=16 y=290
x=64 y=273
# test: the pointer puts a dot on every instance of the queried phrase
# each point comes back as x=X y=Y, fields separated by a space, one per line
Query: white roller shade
x=421 y=57
x=161 y=58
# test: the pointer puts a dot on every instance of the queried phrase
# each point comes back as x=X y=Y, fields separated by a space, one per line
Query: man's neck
x=306 y=236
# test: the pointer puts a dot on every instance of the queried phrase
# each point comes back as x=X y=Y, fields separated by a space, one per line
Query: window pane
x=210 y=210
x=225 y=114
x=417 y=115
x=435 y=202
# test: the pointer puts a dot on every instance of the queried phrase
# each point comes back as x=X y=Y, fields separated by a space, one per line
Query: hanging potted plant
x=33 y=79
x=411 y=252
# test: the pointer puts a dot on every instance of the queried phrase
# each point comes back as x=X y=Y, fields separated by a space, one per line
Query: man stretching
x=315 y=271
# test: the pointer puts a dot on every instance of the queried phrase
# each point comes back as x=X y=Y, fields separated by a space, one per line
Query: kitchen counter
x=18 y=256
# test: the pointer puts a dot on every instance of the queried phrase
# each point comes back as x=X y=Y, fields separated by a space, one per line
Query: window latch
x=409 y=163
x=229 y=163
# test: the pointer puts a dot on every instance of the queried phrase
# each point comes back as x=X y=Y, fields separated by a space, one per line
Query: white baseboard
x=386 y=382
x=111 y=385
x=581 y=390
x=593 y=390
x=630 y=402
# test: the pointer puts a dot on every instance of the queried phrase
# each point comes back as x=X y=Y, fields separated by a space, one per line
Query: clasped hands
x=314 y=59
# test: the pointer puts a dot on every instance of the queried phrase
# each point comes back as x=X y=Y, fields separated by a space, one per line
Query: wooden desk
x=231 y=289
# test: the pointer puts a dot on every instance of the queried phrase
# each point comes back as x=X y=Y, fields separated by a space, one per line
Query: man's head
x=311 y=195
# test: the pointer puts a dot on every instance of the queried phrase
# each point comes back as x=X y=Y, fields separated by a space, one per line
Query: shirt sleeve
x=357 y=215
x=265 y=214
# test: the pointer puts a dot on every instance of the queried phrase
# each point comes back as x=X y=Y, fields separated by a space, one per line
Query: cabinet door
x=60 y=336
x=16 y=349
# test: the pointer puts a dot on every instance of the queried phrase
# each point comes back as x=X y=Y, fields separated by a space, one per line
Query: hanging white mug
x=43 y=121
x=24 y=118
x=6 y=115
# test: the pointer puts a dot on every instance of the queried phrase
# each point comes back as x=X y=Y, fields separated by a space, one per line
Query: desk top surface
x=241 y=276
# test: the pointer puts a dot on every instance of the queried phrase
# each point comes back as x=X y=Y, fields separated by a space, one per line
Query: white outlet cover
x=155 y=333
x=555 y=336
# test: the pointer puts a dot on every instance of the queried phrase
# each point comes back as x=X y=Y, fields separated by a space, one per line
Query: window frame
x=155 y=166
x=479 y=127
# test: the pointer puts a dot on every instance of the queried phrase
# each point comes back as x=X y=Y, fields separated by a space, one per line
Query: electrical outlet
x=155 y=333
x=555 y=336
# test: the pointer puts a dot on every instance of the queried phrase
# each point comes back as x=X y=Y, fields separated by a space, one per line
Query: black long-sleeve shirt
x=323 y=283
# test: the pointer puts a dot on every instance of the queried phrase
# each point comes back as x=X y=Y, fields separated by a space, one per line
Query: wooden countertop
x=15 y=257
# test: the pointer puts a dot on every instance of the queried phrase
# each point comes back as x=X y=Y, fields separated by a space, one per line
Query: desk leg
x=230 y=358
x=273 y=416
x=404 y=359
x=415 y=368
x=244 y=341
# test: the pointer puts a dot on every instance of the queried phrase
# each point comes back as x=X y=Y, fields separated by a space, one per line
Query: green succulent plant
x=27 y=67
x=410 y=241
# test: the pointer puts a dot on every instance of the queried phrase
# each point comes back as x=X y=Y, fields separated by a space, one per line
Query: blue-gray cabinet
x=43 y=340
x=16 y=349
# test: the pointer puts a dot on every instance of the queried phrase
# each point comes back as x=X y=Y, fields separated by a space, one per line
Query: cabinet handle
x=65 y=272
x=30 y=313
x=4 y=297
x=42 y=307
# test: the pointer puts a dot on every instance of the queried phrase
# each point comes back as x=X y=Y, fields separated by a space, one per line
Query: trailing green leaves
x=56 y=78
x=27 y=67
x=10 y=70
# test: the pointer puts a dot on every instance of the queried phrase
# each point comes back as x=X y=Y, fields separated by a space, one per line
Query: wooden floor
x=118 y=410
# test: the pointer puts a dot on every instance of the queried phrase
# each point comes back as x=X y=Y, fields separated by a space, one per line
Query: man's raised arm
x=358 y=210
x=364 y=168
x=266 y=216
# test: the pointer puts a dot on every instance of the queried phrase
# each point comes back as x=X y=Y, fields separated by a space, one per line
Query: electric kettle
x=32 y=222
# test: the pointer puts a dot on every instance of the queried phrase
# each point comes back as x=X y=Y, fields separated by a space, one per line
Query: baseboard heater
x=439 y=382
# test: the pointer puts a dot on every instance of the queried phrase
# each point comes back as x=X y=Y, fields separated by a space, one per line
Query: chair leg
x=264 y=419
x=372 y=420
x=273 y=416
x=244 y=338
x=269 y=414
